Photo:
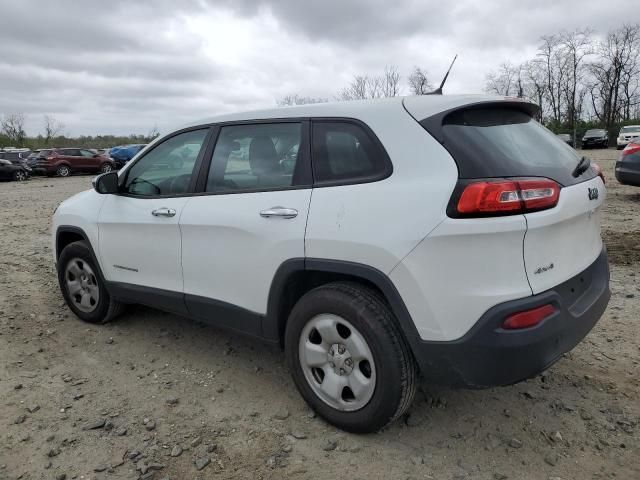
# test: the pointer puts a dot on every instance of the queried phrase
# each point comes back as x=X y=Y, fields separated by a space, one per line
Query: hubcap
x=82 y=285
x=337 y=362
x=106 y=168
x=20 y=176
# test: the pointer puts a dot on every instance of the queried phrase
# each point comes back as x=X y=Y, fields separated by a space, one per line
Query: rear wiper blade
x=583 y=166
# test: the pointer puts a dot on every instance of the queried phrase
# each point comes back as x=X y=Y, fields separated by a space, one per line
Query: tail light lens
x=528 y=318
x=506 y=197
x=630 y=148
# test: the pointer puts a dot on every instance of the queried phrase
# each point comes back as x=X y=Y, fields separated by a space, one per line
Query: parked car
x=566 y=138
x=12 y=171
x=65 y=161
x=595 y=138
x=628 y=165
x=15 y=156
x=626 y=135
x=452 y=236
x=121 y=155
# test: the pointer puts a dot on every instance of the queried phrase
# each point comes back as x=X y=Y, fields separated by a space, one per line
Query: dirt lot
x=158 y=394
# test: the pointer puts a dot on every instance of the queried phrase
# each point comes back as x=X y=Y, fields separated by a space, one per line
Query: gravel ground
x=154 y=395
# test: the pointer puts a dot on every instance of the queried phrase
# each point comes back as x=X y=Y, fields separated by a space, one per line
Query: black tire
x=63 y=171
x=20 y=176
x=396 y=372
x=106 y=308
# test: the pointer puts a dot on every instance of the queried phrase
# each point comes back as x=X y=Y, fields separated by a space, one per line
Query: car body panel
x=565 y=240
x=231 y=253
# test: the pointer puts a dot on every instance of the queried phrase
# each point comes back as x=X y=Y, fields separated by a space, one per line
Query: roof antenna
x=438 y=91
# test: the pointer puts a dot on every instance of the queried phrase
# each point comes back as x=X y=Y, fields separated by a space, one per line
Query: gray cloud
x=122 y=66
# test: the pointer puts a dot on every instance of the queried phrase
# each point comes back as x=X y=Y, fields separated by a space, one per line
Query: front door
x=250 y=219
x=139 y=236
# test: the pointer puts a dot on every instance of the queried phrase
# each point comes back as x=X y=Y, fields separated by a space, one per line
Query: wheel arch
x=66 y=234
x=295 y=277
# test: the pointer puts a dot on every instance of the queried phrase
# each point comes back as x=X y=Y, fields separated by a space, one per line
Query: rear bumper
x=628 y=173
x=489 y=356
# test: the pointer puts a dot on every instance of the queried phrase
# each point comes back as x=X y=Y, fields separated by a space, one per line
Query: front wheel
x=348 y=357
x=82 y=285
x=106 y=168
x=19 y=176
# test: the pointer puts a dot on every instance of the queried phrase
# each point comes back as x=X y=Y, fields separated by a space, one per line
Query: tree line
x=13 y=134
x=578 y=79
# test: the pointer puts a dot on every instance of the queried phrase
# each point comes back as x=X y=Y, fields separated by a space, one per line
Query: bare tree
x=506 y=81
x=12 y=125
x=618 y=56
x=534 y=73
x=574 y=46
x=375 y=86
x=52 y=128
x=419 y=82
x=295 y=99
x=153 y=133
x=390 y=81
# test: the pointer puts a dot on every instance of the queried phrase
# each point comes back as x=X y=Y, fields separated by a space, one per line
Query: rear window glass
x=503 y=142
x=344 y=152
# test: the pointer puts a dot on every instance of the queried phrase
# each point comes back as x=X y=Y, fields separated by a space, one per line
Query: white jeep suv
x=451 y=237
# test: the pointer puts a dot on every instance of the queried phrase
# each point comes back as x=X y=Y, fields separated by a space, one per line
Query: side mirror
x=106 y=183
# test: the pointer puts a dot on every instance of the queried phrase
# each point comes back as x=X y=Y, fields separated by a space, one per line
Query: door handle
x=280 y=212
x=164 y=212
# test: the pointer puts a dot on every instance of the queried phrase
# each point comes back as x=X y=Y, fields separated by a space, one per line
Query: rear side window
x=344 y=152
x=505 y=142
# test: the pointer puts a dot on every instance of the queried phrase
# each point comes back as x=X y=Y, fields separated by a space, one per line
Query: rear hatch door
x=500 y=139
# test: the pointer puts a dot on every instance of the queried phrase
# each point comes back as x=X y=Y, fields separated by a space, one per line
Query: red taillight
x=508 y=196
x=528 y=318
x=598 y=170
x=631 y=148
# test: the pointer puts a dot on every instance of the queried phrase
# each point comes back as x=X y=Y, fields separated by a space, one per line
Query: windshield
x=630 y=128
x=595 y=133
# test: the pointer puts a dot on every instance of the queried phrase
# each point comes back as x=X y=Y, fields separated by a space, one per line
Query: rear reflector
x=508 y=196
x=528 y=318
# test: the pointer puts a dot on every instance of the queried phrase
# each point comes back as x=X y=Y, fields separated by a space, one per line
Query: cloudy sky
x=116 y=66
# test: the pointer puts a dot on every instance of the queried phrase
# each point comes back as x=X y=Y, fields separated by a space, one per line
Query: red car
x=65 y=161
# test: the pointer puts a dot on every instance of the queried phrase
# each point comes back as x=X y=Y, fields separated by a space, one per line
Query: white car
x=451 y=237
x=627 y=134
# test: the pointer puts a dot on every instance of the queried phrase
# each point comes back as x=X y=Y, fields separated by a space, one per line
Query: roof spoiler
x=438 y=91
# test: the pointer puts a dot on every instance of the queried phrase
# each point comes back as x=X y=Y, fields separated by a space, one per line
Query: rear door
x=250 y=219
x=502 y=140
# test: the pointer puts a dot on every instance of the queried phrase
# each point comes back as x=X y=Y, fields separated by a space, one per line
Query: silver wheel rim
x=20 y=176
x=337 y=362
x=106 y=168
x=63 y=171
x=82 y=285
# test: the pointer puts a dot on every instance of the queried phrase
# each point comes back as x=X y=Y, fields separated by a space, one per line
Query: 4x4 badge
x=593 y=193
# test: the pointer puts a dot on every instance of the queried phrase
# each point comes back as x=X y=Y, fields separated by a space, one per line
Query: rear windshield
x=504 y=142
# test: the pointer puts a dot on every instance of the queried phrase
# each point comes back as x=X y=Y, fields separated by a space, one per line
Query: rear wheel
x=19 y=176
x=63 y=171
x=83 y=287
x=348 y=358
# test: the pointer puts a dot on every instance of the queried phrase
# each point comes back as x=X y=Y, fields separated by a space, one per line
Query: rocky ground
x=157 y=396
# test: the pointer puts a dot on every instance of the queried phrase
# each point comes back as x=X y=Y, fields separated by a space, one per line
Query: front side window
x=86 y=153
x=167 y=169
x=255 y=157
x=345 y=152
